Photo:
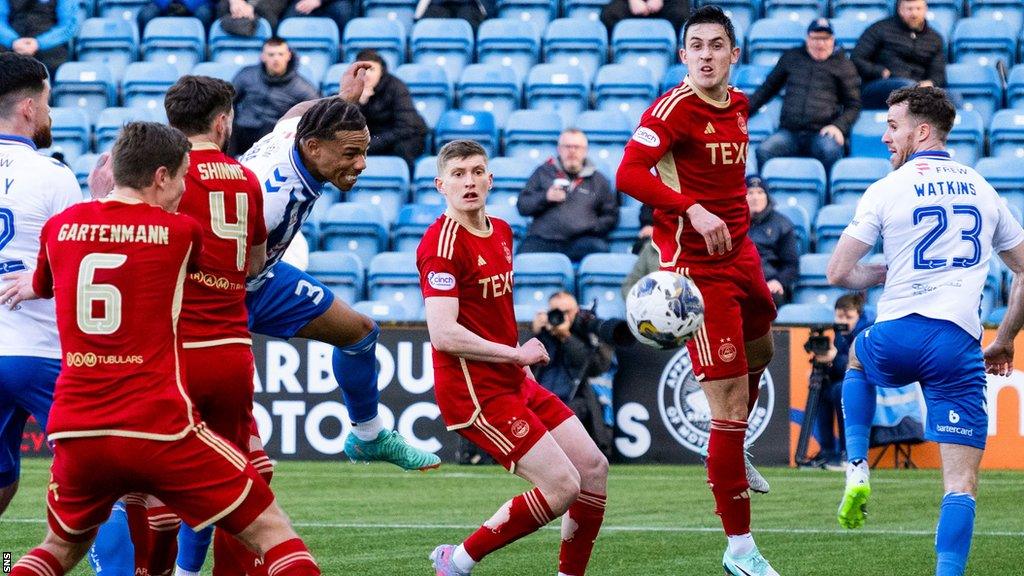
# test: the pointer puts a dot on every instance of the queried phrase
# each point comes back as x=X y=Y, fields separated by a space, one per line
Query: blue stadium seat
x=392 y=277
x=413 y=221
x=1015 y=87
x=314 y=40
x=401 y=11
x=967 y=139
x=474 y=125
x=110 y=41
x=82 y=166
x=126 y=10
x=341 y=271
x=510 y=214
x=384 y=184
x=848 y=31
x=574 y=42
x=749 y=77
x=796 y=177
x=540 y=274
x=490 y=88
x=1006 y=134
x=536 y=12
x=768 y=39
x=331 y=82
x=72 y=133
x=240 y=50
x=146 y=83
x=385 y=311
x=801 y=223
x=869 y=11
x=996 y=316
x=1004 y=174
x=532 y=134
x=627 y=89
x=742 y=12
x=423 y=189
x=430 y=89
x=508 y=42
x=805 y=314
x=226 y=71
x=983 y=42
x=589 y=9
x=866 y=136
x=1009 y=11
x=180 y=42
x=980 y=87
x=607 y=133
x=557 y=88
x=600 y=279
x=760 y=127
x=385 y=36
x=111 y=120
x=673 y=77
x=812 y=285
x=942 y=15
x=802 y=11
x=852 y=176
x=621 y=239
x=829 y=226
x=446 y=42
x=510 y=174
x=85 y=85
x=389 y=202
x=650 y=43
x=354 y=227
x=311 y=227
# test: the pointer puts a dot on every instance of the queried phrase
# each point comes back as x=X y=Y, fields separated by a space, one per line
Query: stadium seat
x=85 y=85
x=226 y=71
x=600 y=279
x=413 y=221
x=111 y=120
x=401 y=11
x=768 y=39
x=239 y=50
x=539 y=275
x=980 y=88
x=804 y=314
x=848 y=31
x=589 y=9
x=1015 y=87
x=114 y=42
x=582 y=43
x=812 y=285
x=622 y=238
x=650 y=43
x=385 y=184
x=673 y=77
x=314 y=40
x=627 y=89
x=536 y=12
x=760 y=127
x=869 y=11
x=801 y=223
x=557 y=88
x=967 y=139
x=1009 y=11
x=510 y=214
x=510 y=174
x=942 y=15
x=1004 y=174
x=490 y=88
x=180 y=42
x=983 y=42
x=996 y=316
x=802 y=11
x=354 y=227
x=607 y=133
x=749 y=77
x=829 y=225
x=796 y=177
x=852 y=176
x=741 y=12
x=146 y=83
x=82 y=166
x=72 y=134
x=508 y=42
x=329 y=196
x=430 y=89
x=473 y=125
x=423 y=189
x=384 y=311
x=392 y=277
x=532 y=134
x=1006 y=134
x=385 y=36
x=866 y=136
x=446 y=42
x=341 y=271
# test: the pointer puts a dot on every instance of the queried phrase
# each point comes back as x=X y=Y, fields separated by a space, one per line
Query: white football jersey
x=33 y=188
x=289 y=190
x=940 y=222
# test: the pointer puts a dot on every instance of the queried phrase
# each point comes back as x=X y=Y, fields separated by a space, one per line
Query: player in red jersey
x=483 y=384
x=695 y=136
x=117 y=269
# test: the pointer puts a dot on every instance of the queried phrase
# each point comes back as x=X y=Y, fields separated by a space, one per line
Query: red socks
x=727 y=476
x=518 y=517
x=163 y=540
x=138 y=528
x=290 y=558
x=579 y=531
x=37 y=562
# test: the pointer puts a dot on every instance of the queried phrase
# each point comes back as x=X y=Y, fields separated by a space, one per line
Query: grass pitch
x=377 y=520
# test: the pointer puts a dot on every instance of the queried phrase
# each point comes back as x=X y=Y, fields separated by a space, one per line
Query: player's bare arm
x=846 y=270
x=351 y=87
x=17 y=290
x=447 y=335
x=257 y=259
x=999 y=354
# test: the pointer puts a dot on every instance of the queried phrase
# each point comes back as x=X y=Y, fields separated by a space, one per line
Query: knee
x=595 y=469
x=269 y=529
x=563 y=491
x=67 y=553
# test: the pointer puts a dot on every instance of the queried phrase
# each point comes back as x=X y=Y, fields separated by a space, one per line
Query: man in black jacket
x=898 y=52
x=396 y=128
x=41 y=29
x=776 y=241
x=822 y=99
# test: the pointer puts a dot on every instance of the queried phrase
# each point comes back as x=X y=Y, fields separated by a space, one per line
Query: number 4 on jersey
x=239 y=230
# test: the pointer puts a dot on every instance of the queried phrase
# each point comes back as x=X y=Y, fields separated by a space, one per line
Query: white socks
x=741 y=545
x=179 y=571
x=462 y=560
x=369 y=430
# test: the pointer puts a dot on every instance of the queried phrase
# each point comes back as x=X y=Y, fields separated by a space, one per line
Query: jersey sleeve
x=660 y=126
x=42 y=278
x=195 y=231
x=1008 y=233
x=66 y=191
x=438 y=268
x=867 y=220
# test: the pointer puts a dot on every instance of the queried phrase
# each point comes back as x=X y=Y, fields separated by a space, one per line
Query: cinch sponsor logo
x=441 y=280
x=89 y=359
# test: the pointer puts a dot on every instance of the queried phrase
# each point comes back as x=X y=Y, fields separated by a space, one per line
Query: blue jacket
x=50 y=22
x=842 y=343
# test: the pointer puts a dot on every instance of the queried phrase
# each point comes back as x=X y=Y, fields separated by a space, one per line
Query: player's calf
x=7 y=494
x=54 y=557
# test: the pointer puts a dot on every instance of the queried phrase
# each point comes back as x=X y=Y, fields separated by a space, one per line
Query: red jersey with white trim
x=457 y=262
x=117 y=268
x=698 y=147
x=227 y=201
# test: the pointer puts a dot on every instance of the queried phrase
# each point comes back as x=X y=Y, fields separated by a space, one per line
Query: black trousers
x=675 y=11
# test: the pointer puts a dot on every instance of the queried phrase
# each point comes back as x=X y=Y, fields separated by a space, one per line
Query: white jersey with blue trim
x=33 y=187
x=289 y=190
x=940 y=222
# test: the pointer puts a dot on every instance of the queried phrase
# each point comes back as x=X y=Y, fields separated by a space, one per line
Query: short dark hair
x=928 y=104
x=457 y=150
x=710 y=14
x=851 y=301
x=371 y=55
x=327 y=117
x=20 y=77
x=275 y=41
x=142 y=148
x=194 y=102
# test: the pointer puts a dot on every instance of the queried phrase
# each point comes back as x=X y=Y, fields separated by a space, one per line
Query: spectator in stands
x=822 y=99
x=572 y=204
x=472 y=11
x=265 y=91
x=776 y=241
x=341 y=11
x=899 y=51
x=39 y=28
x=239 y=16
x=647 y=255
x=396 y=128
x=201 y=9
x=675 y=11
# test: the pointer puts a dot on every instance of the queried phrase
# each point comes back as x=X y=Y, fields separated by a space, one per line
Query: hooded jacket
x=590 y=207
x=391 y=115
x=906 y=53
x=776 y=241
x=261 y=99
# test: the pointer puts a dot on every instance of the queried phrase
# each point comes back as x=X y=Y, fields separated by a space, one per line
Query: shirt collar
x=931 y=154
x=19 y=139
x=312 y=183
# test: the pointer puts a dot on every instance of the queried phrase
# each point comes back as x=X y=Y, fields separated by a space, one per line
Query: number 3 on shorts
x=315 y=293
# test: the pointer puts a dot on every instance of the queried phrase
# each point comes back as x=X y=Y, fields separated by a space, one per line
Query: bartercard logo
x=647 y=137
x=441 y=280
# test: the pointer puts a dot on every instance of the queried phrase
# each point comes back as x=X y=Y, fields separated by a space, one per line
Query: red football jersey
x=227 y=201
x=698 y=147
x=457 y=262
x=117 y=269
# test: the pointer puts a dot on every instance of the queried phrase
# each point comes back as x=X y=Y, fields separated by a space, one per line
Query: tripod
x=819 y=377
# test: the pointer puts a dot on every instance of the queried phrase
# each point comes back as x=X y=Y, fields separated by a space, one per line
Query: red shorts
x=738 y=308
x=202 y=478
x=508 y=425
x=220 y=383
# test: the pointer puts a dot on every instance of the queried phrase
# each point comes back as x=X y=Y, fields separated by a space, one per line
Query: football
x=664 y=309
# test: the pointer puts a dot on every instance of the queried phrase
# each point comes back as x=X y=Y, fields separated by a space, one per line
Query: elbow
x=835 y=277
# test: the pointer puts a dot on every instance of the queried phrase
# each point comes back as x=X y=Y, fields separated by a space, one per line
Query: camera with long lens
x=612 y=331
x=818 y=343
